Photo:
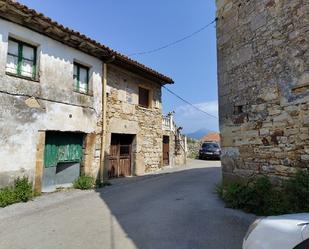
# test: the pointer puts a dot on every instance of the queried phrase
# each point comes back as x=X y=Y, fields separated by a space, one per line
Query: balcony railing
x=168 y=124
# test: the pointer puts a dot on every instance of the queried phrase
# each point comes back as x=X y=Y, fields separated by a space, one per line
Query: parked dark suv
x=210 y=150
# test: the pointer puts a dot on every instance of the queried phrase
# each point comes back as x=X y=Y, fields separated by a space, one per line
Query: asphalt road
x=176 y=209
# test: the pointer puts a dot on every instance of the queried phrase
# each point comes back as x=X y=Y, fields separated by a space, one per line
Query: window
x=21 y=59
x=210 y=146
x=143 y=97
x=238 y=109
x=81 y=78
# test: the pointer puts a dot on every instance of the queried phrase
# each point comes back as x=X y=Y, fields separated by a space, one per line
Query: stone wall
x=263 y=73
x=125 y=116
x=193 y=148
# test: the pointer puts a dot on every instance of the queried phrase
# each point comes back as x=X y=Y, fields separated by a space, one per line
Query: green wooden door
x=61 y=147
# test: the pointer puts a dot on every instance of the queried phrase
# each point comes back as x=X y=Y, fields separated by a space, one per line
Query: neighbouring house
x=175 y=148
x=263 y=72
x=135 y=140
x=212 y=137
x=70 y=105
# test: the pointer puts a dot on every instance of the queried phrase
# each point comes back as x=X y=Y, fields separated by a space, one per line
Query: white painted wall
x=61 y=108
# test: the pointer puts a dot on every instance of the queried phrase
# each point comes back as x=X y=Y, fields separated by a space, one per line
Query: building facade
x=175 y=147
x=135 y=128
x=72 y=106
x=263 y=73
x=43 y=97
x=134 y=113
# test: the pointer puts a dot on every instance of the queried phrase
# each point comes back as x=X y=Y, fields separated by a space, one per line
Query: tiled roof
x=212 y=136
x=21 y=14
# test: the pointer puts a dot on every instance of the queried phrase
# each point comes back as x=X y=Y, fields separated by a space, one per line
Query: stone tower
x=263 y=74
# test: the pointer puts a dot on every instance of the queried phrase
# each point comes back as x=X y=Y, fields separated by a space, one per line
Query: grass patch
x=20 y=192
x=84 y=182
x=258 y=196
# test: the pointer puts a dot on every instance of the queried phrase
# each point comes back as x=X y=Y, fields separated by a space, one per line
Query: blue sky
x=139 y=25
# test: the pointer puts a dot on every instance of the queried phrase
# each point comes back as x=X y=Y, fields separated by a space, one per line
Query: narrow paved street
x=176 y=209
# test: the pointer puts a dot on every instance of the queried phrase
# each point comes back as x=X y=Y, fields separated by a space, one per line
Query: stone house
x=175 y=147
x=263 y=72
x=134 y=124
x=69 y=105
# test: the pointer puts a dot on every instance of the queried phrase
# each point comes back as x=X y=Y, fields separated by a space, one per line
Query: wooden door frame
x=85 y=164
x=169 y=150
x=118 y=157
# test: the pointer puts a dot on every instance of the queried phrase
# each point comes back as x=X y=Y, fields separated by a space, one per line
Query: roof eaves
x=81 y=41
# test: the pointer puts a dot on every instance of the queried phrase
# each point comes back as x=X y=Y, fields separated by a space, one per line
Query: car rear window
x=210 y=146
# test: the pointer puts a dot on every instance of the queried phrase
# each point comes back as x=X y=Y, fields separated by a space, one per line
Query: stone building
x=134 y=131
x=263 y=72
x=175 y=147
x=69 y=105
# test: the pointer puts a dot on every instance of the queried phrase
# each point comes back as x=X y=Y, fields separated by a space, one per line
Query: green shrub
x=260 y=197
x=20 y=192
x=7 y=196
x=23 y=189
x=297 y=189
x=84 y=182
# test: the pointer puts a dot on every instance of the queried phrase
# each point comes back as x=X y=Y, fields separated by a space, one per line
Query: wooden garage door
x=62 y=147
x=120 y=156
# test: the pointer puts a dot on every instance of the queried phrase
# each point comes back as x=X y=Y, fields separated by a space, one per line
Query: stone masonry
x=125 y=116
x=263 y=75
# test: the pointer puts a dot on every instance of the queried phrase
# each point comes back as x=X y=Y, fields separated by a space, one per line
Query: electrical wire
x=175 y=42
x=187 y=102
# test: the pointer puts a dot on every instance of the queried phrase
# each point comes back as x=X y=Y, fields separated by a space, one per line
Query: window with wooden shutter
x=21 y=59
x=81 y=78
x=143 y=97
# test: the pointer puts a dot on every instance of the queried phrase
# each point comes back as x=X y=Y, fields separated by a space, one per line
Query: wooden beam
x=39 y=162
x=82 y=44
x=66 y=38
x=48 y=29
x=29 y=19
x=3 y=8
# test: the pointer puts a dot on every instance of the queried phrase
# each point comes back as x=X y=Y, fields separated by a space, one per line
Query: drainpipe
x=104 y=109
x=103 y=132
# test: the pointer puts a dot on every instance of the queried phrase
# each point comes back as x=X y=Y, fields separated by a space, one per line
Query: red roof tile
x=212 y=136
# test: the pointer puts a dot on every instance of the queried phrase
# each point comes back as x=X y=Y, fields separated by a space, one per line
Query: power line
x=175 y=42
x=187 y=102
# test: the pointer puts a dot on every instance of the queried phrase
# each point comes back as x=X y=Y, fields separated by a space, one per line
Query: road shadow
x=174 y=210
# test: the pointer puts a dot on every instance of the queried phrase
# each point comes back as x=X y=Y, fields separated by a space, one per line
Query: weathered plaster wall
x=124 y=116
x=263 y=72
x=27 y=107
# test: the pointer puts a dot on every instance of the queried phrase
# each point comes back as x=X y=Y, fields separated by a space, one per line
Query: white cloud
x=192 y=119
x=210 y=107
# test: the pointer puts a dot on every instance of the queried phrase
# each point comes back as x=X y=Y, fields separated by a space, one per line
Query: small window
x=238 y=109
x=143 y=97
x=21 y=59
x=81 y=78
